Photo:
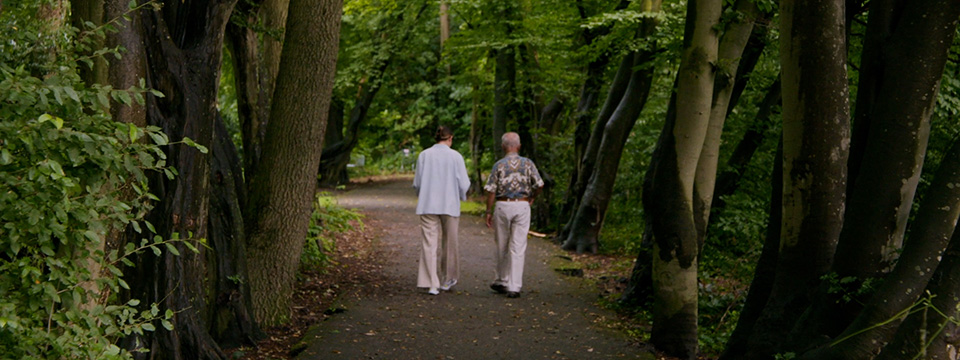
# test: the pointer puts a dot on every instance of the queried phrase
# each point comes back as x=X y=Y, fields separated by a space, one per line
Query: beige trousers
x=439 y=240
x=511 y=222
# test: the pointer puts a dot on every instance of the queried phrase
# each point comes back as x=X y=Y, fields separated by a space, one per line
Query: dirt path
x=554 y=319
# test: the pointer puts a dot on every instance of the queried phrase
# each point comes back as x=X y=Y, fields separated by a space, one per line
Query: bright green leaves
x=69 y=175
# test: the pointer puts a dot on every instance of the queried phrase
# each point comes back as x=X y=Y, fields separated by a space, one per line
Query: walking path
x=554 y=319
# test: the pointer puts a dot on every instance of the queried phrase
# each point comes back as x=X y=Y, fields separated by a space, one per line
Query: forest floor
x=368 y=306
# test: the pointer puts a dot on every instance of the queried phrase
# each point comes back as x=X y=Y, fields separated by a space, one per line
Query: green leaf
x=172 y=249
x=149 y=327
x=134 y=132
x=5 y=157
x=158 y=138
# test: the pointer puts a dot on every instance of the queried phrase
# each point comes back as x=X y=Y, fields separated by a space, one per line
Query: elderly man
x=442 y=182
x=513 y=184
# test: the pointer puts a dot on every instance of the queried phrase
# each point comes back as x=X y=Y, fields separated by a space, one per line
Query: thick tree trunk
x=231 y=316
x=931 y=232
x=280 y=207
x=586 y=162
x=905 y=88
x=183 y=46
x=673 y=216
x=904 y=93
x=815 y=146
x=766 y=268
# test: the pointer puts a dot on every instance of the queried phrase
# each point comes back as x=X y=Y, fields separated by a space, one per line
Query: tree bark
x=183 y=45
x=336 y=156
x=815 y=147
x=585 y=165
x=256 y=62
x=901 y=288
x=586 y=224
x=673 y=216
x=82 y=11
x=231 y=314
x=927 y=333
x=905 y=87
x=280 y=208
x=731 y=48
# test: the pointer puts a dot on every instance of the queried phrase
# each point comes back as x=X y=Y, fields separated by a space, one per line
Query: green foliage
x=327 y=220
x=69 y=178
x=849 y=288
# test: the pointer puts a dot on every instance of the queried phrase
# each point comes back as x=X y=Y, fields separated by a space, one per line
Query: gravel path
x=554 y=319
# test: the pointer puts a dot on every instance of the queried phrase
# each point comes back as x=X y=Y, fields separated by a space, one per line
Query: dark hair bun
x=443 y=133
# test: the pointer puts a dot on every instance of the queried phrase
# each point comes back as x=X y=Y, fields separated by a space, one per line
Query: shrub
x=69 y=176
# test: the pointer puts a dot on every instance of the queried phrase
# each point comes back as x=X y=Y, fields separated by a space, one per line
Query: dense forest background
x=784 y=173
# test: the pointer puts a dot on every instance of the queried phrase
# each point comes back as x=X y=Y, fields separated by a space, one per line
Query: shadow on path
x=554 y=319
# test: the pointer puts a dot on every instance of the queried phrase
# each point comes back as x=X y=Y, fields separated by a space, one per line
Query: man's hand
x=490 y=220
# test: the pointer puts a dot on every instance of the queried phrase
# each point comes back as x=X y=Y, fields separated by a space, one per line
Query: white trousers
x=439 y=241
x=511 y=222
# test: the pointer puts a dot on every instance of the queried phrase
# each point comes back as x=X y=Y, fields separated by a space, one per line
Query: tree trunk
x=280 y=207
x=231 y=317
x=183 y=45
x=906 y=84
x=766 y=268
x=729 y=179
x=476 y=146
x=256 y=61
x=333 y=163
x=589 y=94
x=931 y=231
x=585 y=165
x=905 y=88
x=927 y=333
x=815 y=146
x=82 y=11
x=336 y=156
x=504 y=103
x=730 y=49
x=585 y=226
x=672 y=212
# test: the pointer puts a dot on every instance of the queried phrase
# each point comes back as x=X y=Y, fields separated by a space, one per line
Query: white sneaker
x=447 y=285
x=433 y=291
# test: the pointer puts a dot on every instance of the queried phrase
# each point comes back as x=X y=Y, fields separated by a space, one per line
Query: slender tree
x=670 y=199
x=280 y=207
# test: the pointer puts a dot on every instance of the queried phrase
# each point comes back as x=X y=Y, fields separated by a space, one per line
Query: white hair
x=510 y=139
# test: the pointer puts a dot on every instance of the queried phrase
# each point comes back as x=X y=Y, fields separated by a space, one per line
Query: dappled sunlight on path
x=554 y=319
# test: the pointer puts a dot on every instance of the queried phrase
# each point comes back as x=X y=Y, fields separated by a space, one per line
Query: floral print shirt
x=513 y=177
